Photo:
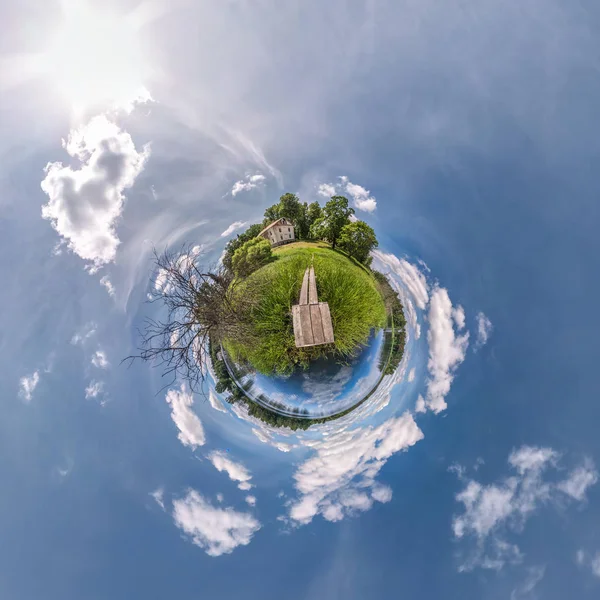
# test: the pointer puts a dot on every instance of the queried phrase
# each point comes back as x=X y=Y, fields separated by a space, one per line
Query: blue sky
x=466 y=134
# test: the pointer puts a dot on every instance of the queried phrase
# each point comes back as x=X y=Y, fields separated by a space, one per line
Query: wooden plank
x=317 y=326
x=305 y=324
x=326 y=323
x=312 y=288
x=298 y=337
x=304 y=289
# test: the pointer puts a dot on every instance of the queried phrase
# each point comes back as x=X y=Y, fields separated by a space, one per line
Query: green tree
x=302 y=224
x=237 y=242
x=271 y=214
x=290 y=207
x=358 y=239
x=222 y=386
x=250 y=256
x=318 y=229
x=336 y=214
x=313 y=213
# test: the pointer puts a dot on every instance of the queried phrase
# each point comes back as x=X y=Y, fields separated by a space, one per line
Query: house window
x=289 y=235
x=280 y=229
x=281 y=237
x=289 y=229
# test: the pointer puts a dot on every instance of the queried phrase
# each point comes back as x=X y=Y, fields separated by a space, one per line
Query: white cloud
x=485 y=507
x=217 y=530
x=458 y=314
x=340 y=478
x=161 y=282
x=94 y=389
x=283 y=447
x=85 y=204
x=579 y=480
x=420 y=406
x=233 y=227
x=58 y=248
x=327 y=391
x=411 y=375
x=235 y=470
x=584 y=559
x=251 y=500
x=327 y=190
x=525 y=589
x=498 y=554
x=361 y=197
x=491 y=511
x=215 y=402
x=484 y=330
x=261 y=436
x=99 y=360
x=158 y=496
x=411 y=276
x=110 y=288
x=412 y=317
x=446 y=349
x=382 y=493
x=530 y=458
x=66 y=470
x=87 y=332
x=27 y=385
x=248 y=183
x=595 y=565
x=247 y=150
x=191 y=432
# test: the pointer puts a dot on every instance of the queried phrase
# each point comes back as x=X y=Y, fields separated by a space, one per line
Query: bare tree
x=200 y=305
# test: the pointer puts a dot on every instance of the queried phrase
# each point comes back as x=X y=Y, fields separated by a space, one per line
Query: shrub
x=252 y=255
x=235 y=243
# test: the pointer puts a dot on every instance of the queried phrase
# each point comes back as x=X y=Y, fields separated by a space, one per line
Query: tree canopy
x=358 y=239
x=313 y=212
x=290 y=207
x=237 y=242
x=335 y=215
x=300 y=213
x=311 y=222
x=251 y=255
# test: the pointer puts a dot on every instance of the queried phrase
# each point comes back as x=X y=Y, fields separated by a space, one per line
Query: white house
x=279 y=232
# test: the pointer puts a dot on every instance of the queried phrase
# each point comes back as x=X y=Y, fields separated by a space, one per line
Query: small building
x=279 y=232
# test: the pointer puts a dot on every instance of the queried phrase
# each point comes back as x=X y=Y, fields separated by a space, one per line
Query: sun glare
x=96 y=59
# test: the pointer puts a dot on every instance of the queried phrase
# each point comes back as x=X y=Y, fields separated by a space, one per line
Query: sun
x=95 y=58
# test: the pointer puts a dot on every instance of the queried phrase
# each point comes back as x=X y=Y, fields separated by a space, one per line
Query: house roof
x=277 y=222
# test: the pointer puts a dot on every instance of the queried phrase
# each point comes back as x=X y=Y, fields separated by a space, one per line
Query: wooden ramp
x=311 y=318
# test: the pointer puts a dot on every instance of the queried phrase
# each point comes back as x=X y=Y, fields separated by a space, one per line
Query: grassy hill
x=355 y=303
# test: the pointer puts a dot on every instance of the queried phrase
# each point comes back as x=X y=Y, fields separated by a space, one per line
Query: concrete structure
x=279 y=232
x=311 y=318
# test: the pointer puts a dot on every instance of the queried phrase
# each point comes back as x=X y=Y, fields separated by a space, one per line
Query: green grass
x=355 y=303
x=300 y=244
